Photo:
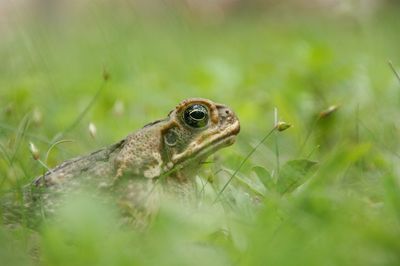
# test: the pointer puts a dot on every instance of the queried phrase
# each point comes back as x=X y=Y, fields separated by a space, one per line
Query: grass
x=274 y=205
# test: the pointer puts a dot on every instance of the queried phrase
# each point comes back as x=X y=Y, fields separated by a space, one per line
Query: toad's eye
x=196 y=116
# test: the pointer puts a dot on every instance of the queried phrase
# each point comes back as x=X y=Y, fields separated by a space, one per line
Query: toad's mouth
x=216 y=145
x=203 y=148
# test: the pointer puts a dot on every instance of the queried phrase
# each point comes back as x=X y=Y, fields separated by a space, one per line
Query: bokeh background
x=117 y=65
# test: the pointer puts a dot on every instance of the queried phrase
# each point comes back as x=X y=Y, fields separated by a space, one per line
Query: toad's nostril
x=227 y=112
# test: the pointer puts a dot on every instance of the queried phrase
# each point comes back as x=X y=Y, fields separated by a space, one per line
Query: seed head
x=92 y=130
x=37 y=116
x=118 y=108
x=106 y=74
x=282 y=126
x=330 y=110
x=34 y=151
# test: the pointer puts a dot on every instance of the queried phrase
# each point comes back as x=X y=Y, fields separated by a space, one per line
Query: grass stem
x=243 y=162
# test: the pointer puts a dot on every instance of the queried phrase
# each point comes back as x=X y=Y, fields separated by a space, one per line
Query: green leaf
x=293 y=174
x=265 y=177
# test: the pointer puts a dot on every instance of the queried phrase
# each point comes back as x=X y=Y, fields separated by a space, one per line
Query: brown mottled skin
x=162 y=156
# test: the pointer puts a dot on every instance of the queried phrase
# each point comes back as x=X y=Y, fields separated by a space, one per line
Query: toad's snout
x=228 y=118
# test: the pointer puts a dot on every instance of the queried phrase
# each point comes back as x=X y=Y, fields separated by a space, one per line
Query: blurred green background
x=300 y=57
